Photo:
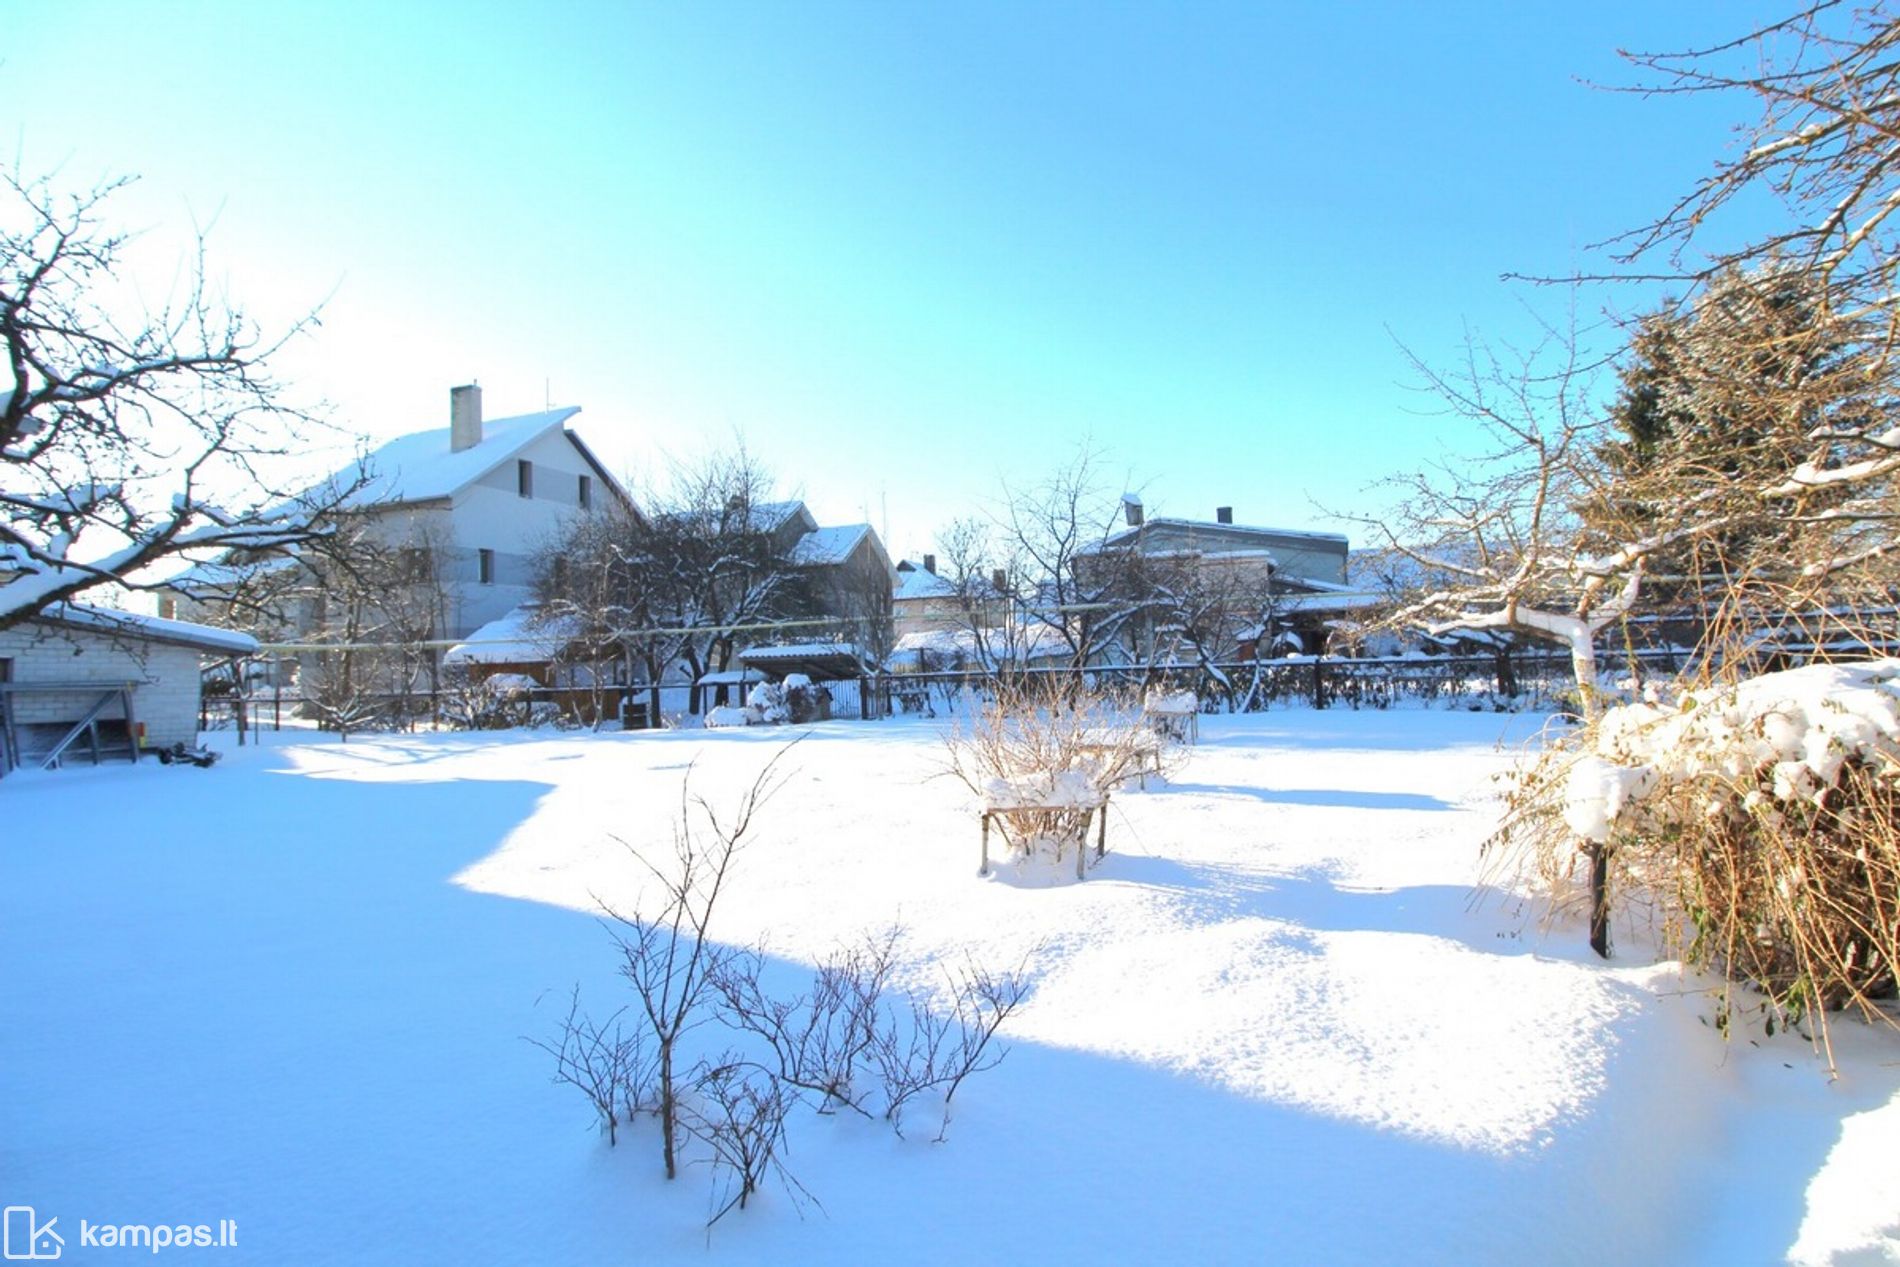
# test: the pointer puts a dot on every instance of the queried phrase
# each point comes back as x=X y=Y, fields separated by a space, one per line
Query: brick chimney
x=465 y=417
x=1223 y=514
x=930 y=564
x=1131 y=509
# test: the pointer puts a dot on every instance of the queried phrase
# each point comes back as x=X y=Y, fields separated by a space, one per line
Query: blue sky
x=905 y=249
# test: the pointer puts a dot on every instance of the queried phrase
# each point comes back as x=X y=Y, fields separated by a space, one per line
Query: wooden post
x=1101 y=832
x=985 y=868
x=1082 y=851
x=1600 y=900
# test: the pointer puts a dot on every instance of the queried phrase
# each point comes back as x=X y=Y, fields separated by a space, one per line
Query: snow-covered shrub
x=765 y=704
x=1052 y=744
x=724 y=715
x=1761 y=821
x=495 y=702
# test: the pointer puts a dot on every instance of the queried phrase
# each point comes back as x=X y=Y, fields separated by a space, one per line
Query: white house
x=99 y=681
x=485 y=495
x=477 y=499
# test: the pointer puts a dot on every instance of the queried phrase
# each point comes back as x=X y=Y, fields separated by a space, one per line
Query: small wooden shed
x=91 y=683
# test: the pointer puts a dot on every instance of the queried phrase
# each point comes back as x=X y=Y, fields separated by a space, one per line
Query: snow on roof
x=222 y=575
x=421 y=467
x=918 y=584
x=1030 y=639
x=730 y=677
x=759 y=517
x=1346 y=601
x=1117 y=540
x=828 y=546
x=153 y=628
x=522 y=636
x=798 y=651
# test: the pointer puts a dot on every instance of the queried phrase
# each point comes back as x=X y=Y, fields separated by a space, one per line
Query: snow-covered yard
x=1272 y=1026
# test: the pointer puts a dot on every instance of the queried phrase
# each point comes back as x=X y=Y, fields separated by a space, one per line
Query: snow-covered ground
x=1272 y=1026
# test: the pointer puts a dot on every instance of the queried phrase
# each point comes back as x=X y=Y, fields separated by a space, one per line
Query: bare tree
x=375 y=607
x=722 y=535
x=1053 y=532
x=122 y=426
x=1505 y=538
x=667 y=950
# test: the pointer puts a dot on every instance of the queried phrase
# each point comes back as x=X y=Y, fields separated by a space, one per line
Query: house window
x=524 y=478
x=587 y=492
x=485 y=564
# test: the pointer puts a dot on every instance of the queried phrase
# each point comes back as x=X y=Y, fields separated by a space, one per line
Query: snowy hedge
x=1761 y=820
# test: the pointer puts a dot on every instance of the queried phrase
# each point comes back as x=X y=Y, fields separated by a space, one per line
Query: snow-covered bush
x=765 y=704
x=1056 y=745
x=1760 y=820
x=724 y=715
x=495 y=702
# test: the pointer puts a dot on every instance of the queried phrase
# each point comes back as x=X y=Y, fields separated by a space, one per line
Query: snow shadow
x=1369 y=730
x=1324 y=798
x=1315 y=903
x=259 y=996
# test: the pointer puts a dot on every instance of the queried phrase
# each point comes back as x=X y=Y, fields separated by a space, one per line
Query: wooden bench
x=1094 y=815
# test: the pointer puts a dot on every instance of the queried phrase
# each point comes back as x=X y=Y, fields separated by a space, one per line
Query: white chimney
x=465 y=417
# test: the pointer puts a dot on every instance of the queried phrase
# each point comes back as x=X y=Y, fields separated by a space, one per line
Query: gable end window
x=587 y=492
x=524 y=478
x=485 y=566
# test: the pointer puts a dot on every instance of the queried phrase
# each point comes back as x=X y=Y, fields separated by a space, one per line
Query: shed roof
x=520 y=636
x=135 y=625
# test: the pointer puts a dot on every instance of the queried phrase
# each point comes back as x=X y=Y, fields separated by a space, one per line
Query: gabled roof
x=828 y=545
x=118 y=624
x=915 y=583
x=420 y=466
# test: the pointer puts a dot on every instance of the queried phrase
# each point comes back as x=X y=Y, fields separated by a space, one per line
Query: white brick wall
x=165 y=695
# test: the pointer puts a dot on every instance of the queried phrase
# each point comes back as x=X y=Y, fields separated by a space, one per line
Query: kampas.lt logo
x=28 y=1239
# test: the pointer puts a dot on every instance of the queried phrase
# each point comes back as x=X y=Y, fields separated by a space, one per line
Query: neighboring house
x=473 y=503
x=443 y=534
x=100 y=682
x=484 y=496
x=1250 y=577
x=844 y=573
x=922 y=601
x=836 y=580
x=775 y=564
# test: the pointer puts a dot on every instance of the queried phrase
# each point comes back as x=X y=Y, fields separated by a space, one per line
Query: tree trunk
x=1506 y=672
x=1600 y=900
x=1583 y=665
x=668 y=1108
